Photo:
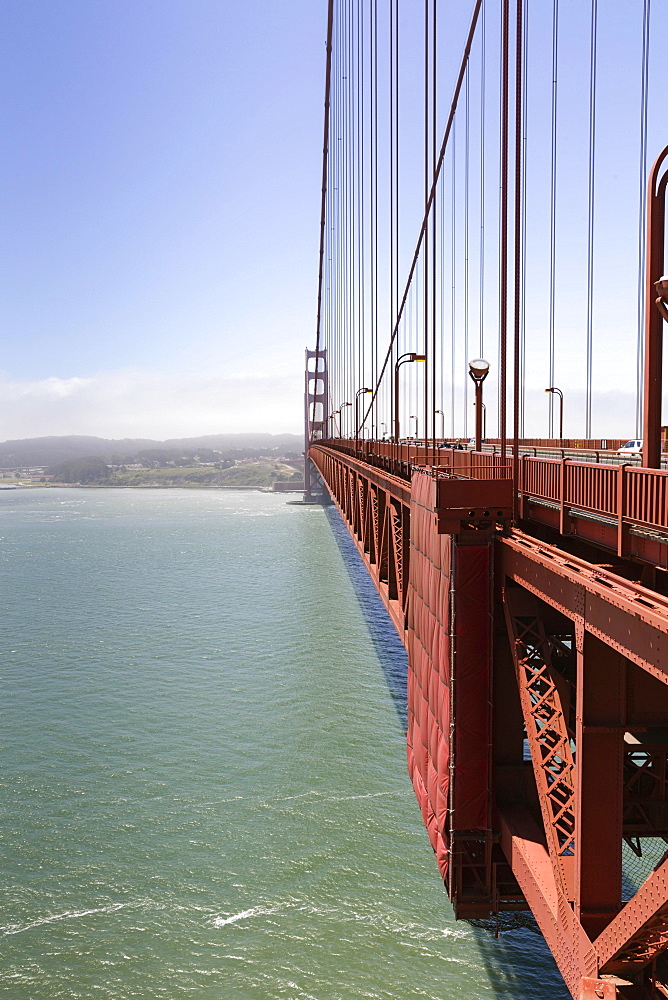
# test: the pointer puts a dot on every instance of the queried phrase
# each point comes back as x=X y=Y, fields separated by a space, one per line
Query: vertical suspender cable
x=518 y=255
x=353 y=196
x=467 y=166
x=553 y=204
x=642 y=221
x=433 y=230
x=425 y=300
x=590 y=220
x=442 y=300
x=395 y=314
x=525 y=50
x=393 y=403
x=363 y=197
x=323 y=196
x=425 y=220
x=483 y=50
x=504 y=225
x=373 y=169
x=453 y=276
x=467 y=108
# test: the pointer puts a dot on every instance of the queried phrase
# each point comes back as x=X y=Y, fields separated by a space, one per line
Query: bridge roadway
x=531 y=598
x=603 y=456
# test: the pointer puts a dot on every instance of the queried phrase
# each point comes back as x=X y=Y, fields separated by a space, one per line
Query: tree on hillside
x=80 y=470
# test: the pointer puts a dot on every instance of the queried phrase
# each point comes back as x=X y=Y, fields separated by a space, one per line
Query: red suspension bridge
x=496 y=190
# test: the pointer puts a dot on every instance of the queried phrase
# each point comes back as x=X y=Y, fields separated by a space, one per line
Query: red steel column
x=601 y=709
x=651 y=451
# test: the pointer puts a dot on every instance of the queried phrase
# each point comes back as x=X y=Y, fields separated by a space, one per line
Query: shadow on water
x=388 y=646
x=518 y=963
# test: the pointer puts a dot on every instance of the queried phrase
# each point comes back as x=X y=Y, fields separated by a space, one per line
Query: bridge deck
x=518 y=643
x=620 y=508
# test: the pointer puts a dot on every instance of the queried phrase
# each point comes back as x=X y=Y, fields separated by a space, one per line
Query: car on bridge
x=632 y=447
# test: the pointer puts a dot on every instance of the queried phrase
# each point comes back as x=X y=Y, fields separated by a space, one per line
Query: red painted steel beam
x=626 y=616
x=639 y=932
x=524 y=847
x=599 y=741
x=544 y=706
x=385 y=553
x=620 y=508
x=397 y=487
x=436 y=584
x=656 y=214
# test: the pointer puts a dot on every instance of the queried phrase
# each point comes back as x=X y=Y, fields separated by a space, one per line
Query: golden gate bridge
x=493 y=224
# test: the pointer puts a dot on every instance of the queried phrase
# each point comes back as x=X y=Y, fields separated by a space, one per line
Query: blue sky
x=160 y=167
x=159 y=190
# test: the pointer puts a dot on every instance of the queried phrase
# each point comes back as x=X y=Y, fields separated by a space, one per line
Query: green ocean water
x=204 y=788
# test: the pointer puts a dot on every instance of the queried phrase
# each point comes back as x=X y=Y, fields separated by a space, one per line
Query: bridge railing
x=629 y=495
x=401 y=457
x=645 y=497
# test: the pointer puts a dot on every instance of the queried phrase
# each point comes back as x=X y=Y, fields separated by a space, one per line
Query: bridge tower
x=316 y=408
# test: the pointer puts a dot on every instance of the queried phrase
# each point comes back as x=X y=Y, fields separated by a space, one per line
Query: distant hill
x=53 y=450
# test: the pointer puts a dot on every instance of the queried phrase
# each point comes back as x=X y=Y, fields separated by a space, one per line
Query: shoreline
x=154 y=486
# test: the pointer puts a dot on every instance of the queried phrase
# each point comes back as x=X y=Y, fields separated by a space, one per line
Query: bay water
x=204 y=787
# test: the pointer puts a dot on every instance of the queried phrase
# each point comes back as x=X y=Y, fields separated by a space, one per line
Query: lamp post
x=442 y=423
x=484 y=421
x=335 y=414
x=478 y=370
x=655 y=298
x=384 y=427
x=414 y=417
x=554 y=389
x=343 y=405
x=357 y=400
x=409 y=356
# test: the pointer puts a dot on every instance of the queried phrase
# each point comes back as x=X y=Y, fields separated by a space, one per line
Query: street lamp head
x=662 y=292
x=478 y=369
x=409 y=356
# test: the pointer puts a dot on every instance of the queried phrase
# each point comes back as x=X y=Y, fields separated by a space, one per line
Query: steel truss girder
x=624 y=615
x=375 y=506
x=633 y=621
x=530 y=862
x=639 y=932
x=545 y=720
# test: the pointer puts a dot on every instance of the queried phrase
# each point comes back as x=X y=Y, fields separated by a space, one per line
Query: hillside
x=48 y=451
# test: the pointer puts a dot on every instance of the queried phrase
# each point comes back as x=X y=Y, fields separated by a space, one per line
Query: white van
x=633 y=447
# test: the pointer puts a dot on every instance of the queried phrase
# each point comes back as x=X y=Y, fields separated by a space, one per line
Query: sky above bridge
x=160 y=193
